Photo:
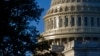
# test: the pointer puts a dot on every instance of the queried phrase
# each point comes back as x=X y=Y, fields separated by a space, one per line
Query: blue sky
x=44 y=4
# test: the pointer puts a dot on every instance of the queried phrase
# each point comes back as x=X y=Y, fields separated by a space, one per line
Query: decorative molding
x=73 y=30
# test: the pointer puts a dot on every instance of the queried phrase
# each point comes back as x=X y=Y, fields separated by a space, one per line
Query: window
x=79 y=21
x=64 y=40
x=98 y=22
x=79 y=39
x=50 y=42
x=92 y=8
x=72 y=21
x=61 y=10
x=92 y=21
x=60 y=22
x=72 y=8
x=66 y=8
x=54 y=23
x=87 y=38
x=66 y=21
x=56 y=10
x=85 y=21
x=95 y=38
x=78 y=7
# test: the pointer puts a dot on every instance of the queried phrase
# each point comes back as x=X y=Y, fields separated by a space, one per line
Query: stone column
x=69 y=20
x=75 y=21
x=61 y=42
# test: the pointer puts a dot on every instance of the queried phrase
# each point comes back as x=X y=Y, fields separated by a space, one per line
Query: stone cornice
x=60 y=36
x=72 y=30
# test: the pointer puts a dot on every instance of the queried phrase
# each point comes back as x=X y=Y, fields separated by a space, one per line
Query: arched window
x=60 y=10
x=72 y=8
x=66 y=8
x=92 y=21
x=60 y=21
x=79 y=21
x=85 y=21
x=72 y=21
x=56 y=10
x=66 y=21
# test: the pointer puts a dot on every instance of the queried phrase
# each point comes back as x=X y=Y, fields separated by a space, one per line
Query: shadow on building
x=87 y=47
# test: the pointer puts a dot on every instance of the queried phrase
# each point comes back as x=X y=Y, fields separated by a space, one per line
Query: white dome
x=74 y=25
x=73 y=18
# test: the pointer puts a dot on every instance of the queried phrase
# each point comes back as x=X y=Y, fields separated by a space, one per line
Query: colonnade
x=72 y=21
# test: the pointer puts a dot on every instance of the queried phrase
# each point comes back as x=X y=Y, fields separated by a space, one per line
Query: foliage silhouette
x=16 y=36
x=42 y=48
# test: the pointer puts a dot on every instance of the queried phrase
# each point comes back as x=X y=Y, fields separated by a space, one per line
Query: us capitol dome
x=72 y=27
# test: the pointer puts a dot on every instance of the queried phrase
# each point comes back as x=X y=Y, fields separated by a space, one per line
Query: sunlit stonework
x=72 y=27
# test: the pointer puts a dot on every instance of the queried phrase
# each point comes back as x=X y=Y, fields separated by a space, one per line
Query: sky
x=43 y=4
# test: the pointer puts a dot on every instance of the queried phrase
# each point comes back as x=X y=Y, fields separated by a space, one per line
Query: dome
x=73 y=18
x=74 y=25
